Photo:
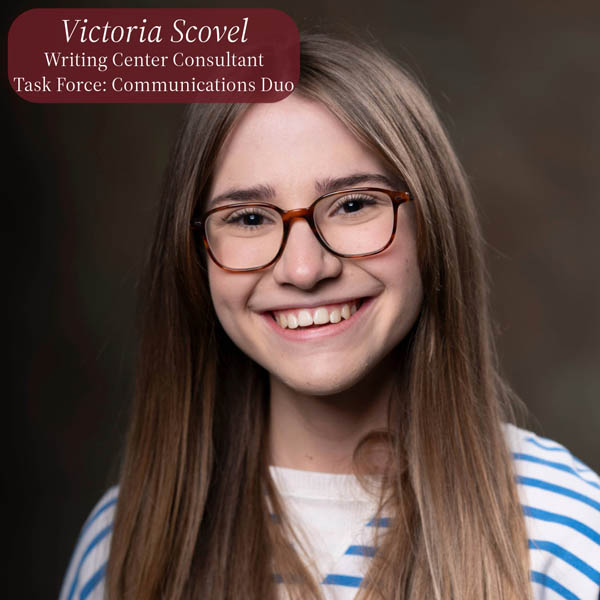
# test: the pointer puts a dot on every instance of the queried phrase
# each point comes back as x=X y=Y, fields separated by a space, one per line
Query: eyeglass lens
x=353 y=224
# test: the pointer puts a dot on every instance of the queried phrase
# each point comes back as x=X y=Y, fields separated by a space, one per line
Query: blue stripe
x=534 y=441
x=552 y=584
x=568 y=557
x=380 y=522
x=554 y=465
x=551 y=487
x=361 y=551
x=345 y=580
x=93 y=581
x=99 y=537
x=583 y=468
x=95 y=515
x=558 y=448
x=544 y=515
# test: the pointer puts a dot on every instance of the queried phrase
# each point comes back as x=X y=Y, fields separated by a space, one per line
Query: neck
x=320 y=433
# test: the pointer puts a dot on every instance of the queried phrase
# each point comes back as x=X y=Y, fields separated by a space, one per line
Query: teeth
x=316 y=316
x=321 y=316
x=304 y=318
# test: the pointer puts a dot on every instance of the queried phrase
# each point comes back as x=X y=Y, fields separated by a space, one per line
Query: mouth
x=311 y=318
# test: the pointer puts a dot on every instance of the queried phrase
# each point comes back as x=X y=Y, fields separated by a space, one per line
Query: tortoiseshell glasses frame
x=289 y=216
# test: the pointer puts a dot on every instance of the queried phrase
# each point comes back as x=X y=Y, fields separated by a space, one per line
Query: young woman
x=318 y=411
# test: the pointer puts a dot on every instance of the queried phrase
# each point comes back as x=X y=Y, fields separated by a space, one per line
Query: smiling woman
x=312 y=276
x=318 y=411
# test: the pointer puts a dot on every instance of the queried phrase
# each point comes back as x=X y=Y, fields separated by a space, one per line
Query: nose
x=304 y=262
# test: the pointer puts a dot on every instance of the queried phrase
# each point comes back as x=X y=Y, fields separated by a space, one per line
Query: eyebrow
x=330 y=184
x=264 y=193
x=256 y=193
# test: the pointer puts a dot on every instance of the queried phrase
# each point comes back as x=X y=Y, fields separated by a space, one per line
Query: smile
x=319 y=315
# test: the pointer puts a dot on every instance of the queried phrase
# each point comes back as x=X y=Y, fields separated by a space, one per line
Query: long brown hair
x=193 y=517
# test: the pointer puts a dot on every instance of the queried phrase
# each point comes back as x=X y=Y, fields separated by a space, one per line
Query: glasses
x=249 y=236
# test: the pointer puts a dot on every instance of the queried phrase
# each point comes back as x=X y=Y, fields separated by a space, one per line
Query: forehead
x=290 y=146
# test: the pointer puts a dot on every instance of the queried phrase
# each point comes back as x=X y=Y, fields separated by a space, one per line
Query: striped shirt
x=559 y=494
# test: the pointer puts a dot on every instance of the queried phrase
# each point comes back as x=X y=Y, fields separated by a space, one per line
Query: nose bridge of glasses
x=306 y=260
x=299 y=214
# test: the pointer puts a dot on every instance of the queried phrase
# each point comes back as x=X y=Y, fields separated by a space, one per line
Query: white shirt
x=559 y=494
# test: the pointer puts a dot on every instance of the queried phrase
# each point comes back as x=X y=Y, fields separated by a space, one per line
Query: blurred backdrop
x=518 y=87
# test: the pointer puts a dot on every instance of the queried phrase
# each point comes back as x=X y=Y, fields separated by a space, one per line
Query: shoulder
x=539 y=457
x=84 y=579
x=560 y=496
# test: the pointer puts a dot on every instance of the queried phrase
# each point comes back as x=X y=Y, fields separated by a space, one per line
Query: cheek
x=412 y=290
x=230 y=293
x=409 y=285
x=399 y=271
x=408 y=277
x=224 y=295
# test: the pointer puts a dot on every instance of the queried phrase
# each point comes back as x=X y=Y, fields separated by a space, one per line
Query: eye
x=352 y=204
x=251 y=218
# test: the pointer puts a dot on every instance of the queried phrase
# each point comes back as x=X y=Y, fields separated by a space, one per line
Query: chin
x=321 y=382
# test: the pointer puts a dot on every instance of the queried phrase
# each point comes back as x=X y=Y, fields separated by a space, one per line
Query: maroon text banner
x=153 y=55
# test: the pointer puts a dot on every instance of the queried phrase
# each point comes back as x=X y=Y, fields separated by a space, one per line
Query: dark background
x=518 y=86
